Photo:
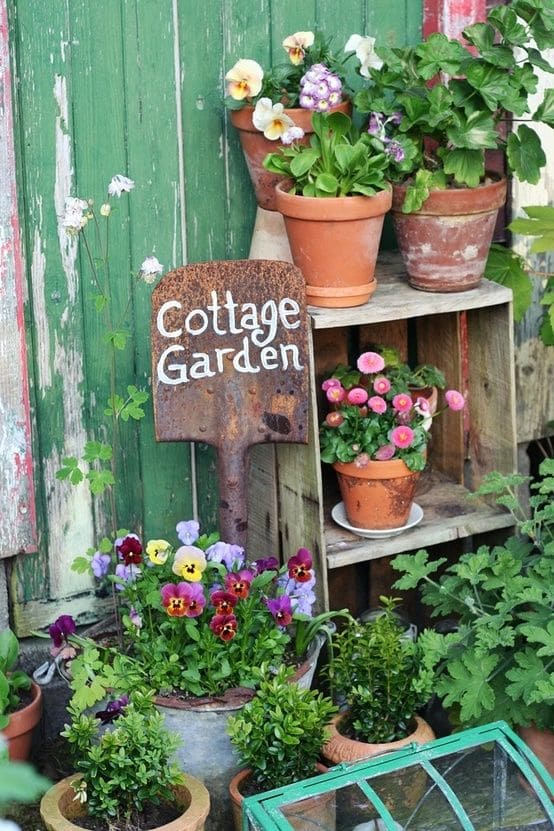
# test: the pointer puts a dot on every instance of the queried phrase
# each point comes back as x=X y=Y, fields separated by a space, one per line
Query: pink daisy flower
x=336 y=394
x=402 y=402
x=454 y=399
x=357 y=395
x=385 y=453
x=377 y=404
x=330 y=382
x=381 y=385
x=370 y=362
x=402 y=436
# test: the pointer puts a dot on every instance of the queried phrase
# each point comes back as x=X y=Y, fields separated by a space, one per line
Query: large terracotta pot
x=58 y=807
x=379 y=495
x=319 y=810
x=335 y=241
x=19 y=732
x=340 y=748
x=256 y=146
x=445 y=244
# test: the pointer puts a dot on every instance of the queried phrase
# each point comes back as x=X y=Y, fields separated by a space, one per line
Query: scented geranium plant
x=311 y=78
x=198 y=618
x=374 y=416
x=445 y=106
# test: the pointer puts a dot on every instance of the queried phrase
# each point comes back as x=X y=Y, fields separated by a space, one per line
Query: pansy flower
x=183 y=599
x=114 y=709
x=224 y=626
x=266 y=564
x=223 y=602
x=126 y=574
x=158 y=551
x=188 y=531
x=129 y=549
x=100 y=564
x=232 y=556
x=271 y=119
x=281 y=609
x=244 y=79
x=296 y=46
x=238 y=582
x=62 y=627
x=189 y=563
x=300 y=566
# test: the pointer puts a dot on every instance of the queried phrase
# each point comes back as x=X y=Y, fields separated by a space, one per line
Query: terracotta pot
x=19 y=732
x=58 y=807
x=256 y=146
x=340 y=748
x=541 y=742
x=431 y=394
x=445 y=244
x=321 y=809
x=335 y=243
x=378 y=496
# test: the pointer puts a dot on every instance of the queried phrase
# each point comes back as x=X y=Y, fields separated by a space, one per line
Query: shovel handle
x=232 y=468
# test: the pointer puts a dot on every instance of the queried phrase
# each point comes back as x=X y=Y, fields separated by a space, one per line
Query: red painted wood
x=451 y=16
x=17 y=501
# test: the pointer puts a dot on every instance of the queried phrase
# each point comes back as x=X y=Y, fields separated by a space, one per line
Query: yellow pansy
x=189 y=563
x=244 y=79
x=297 y=44
x=157 y=551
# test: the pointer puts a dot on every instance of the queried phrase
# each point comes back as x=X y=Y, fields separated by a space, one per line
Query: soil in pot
x=445 y=244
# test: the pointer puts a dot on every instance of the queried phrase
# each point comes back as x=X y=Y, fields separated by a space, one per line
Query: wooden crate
x=469 y=336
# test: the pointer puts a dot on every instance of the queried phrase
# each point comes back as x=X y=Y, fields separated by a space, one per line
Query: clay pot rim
x=388 y=469
x=25 y=719
x=242 y=118
x=485 y=197
x=195 y=814
x=364 y=750
x=332 y=208
x=244 y=773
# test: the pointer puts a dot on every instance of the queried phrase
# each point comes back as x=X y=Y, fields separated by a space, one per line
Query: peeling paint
x=42 y=338
x=63 y=185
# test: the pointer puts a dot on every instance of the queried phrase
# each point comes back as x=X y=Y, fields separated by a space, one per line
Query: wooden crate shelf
x=469 y=335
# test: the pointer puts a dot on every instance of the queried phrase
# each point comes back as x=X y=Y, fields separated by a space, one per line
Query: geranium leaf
x=508 y=268
x=507 y=23
x=439 y=54
x=546 y=110
x=525 y=154
x=467 y=166
x=476 y=131
x=466 y=683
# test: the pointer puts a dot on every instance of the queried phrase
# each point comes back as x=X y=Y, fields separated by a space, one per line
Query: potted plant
x=20 y=700
x=499 y=661
x=278 y=736
x=444 y=106
x=382 y=678
x=334 y=209
x=126 y=778
x=196 y=622
x=274 y=107
x=376 y=438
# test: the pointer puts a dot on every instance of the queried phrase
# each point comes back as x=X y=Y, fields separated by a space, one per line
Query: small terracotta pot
x=256 y=146
x=541 y=742
x=314 y=804
x=335 y=241
x=340 y=748
x=58 y=807
x=379 y=495
x=445 y=244
x=431 y=394
x=19 y=732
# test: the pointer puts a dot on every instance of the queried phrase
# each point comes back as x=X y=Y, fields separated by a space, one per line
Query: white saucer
x=339 y=516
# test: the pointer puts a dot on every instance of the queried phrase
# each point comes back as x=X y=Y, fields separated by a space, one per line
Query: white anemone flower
x=271 y=119
x=150 y=269
x=364 y=47
x=244 y=79
x=296 y=46
x=120 y=184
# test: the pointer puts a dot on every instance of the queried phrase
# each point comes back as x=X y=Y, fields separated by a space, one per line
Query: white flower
x=364 y=47
x=120 y=184
x=244 y=79
x=74 y=218
x=296 y=46
x=150 y=269
x=105 y=209
x=292 y=134
x=271 y=119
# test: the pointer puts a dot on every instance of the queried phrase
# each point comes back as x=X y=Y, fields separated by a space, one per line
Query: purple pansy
x=63 y=626
x=232 y=556
x=188 y=531
x=100 y=564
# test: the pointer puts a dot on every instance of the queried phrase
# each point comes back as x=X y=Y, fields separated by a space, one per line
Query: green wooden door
x=133 y=87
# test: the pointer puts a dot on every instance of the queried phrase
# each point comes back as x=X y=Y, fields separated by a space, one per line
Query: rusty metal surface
x=230 y=366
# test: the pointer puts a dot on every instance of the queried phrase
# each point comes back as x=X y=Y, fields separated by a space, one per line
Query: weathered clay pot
x=445 y=244
x=335 y=243
x=340 y=748
x=58 y=806
x=256 y=146
x=541 y=743
x=321 y=809
x=377 y=496
x=19 y=732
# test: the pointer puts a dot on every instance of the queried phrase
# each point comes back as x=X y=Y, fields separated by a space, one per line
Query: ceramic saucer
x=339 y=516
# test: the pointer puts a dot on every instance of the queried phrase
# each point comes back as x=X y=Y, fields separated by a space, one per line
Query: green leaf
x=9 y=649
x=537 y=60
x=100 y=302
x=474 y=132
x=416 y=567
x=536 y=634
x=492 y=83
x=509 y=269
x=97 y=451
x=545 y=112
x=467 y=683
x=482 y=35
x=327 y=183
x=507 y=23
x=467 y=166
x=525 y=154
x=81 y=565
x=439 y=54
x=117 y=338
x=303 y=162
x=100 y=480
x=418 y=191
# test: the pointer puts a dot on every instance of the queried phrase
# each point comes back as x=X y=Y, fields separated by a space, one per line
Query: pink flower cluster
x=320 y=89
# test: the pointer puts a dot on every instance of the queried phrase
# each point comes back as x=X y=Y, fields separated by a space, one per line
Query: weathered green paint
x=133 y=87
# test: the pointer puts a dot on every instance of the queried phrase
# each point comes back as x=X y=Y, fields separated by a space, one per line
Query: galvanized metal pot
x=445 y=244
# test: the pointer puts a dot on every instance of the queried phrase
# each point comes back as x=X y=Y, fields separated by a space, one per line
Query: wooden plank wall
x=133 y=87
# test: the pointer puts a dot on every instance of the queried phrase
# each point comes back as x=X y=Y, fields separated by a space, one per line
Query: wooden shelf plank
x=448 y=514
x=394 y=299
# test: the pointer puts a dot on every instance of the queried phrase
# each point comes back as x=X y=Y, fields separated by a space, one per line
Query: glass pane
x=494 y=793
x=414 y=800
x=354 y=810
x=317 y=813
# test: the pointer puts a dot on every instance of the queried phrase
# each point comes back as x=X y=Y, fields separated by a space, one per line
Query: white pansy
x=120 y=184
x=364 y=47
x=150 y=269
x=271 y=119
